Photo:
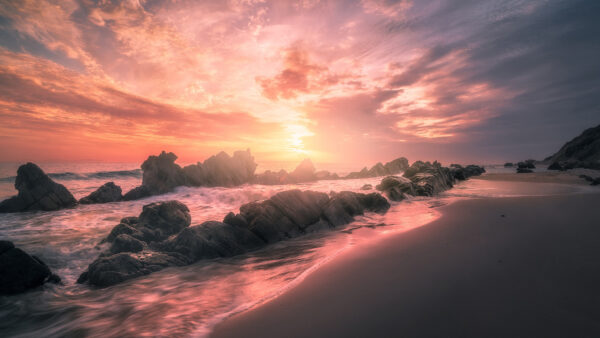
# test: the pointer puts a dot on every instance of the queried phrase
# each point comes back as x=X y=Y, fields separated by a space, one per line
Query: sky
x=340 y=82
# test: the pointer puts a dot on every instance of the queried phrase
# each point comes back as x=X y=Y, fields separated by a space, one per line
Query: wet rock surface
x=109 y=192
x=161 y=236
x=20 y=272
x=37 y=191
x=425 y=179
x=581 y=152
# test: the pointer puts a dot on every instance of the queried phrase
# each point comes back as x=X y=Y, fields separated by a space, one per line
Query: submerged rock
x=161 y=235
x=20 y=271
x=109 y=192
x=37 y=191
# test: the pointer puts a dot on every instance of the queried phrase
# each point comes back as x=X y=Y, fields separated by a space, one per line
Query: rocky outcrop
x=161 y=235
x=592 y=180
x=37 y=191
x=524 y=171
x=508 y=165
x=391 y=168
x=581 y=152
x=108 y=192
x=528 y=164
x=222 y=170
x=304 y=172
x=426 y=179
x=162 y=175
x=20 y=271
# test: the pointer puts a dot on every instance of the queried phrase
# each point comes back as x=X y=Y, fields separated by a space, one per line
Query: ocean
x=187 y=301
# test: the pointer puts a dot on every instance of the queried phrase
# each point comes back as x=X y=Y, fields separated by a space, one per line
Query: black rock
x=20 y=271
x=396 y=187
x=137 y=193
x=581 y=152
x=508 y=165
x=161 y=236
x=37 y=192
x=528 y=164
x=109 y=192
x=161 y=174
x=524 y=171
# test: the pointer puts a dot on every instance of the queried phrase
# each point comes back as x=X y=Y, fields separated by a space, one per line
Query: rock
x=161 y=235
x=581 y=152
x=556 y=166
x=20 y=271
x=396 y=187
x=593 y=181
x=508 y=165
x=161 y=174
x=222 y=170
x=162 y=219
x=126 y=243
x=393 y=167
x=109 y=270
x=462 y=173
x=137 y=193
x=366 y=187
x=272 y=178
x=213 y=239
x=524 y=171
x=528 y=164
x=304 y=172
x=109 y=192
x=37 y=192
x=325 y=175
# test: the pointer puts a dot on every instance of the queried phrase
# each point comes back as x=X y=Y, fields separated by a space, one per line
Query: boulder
x=137 y=193
x=126 y=243
x=366 y=187
x=222 y=170
x=20 y=271
x=396 y=187
x=109 y=192
x=528 y=164
x=161 y=174
x=37 y=192
x=462 y=173
x=524 y=171
x=508 y=165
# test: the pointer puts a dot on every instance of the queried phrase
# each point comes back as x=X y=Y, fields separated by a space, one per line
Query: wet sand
x=472 y=273
x=567 y=177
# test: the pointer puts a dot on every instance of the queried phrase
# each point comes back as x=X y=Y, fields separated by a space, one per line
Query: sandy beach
x=494 y=267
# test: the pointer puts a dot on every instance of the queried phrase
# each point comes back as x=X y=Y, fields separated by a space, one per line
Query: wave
x=135 y=173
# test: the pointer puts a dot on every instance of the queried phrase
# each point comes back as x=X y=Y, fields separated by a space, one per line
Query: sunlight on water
x=189 y=301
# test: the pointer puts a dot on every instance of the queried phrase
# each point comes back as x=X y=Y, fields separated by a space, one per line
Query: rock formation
x=528 y=164
x=508 y=165
x=162 y=175
x=581 y=152
x=425 y=179
x=108 y=192
x=37 y=191
x=20 y=271
x=379 y=169
x=161 y=235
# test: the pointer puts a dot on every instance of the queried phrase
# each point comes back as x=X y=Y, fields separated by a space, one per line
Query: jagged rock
x=508 y=165
x=37 y=192
x=581 y=152
x=114 y=269
x=222 y=170
x=161 y=174
x=126 y=243
x=390 y=168
x=304 y=172
x=161 y=235
x=396 y=187
x=137 y=193
x=109 y=192
x=462 y=173
x=20 y=271
x=213 y=239
x=326 y=175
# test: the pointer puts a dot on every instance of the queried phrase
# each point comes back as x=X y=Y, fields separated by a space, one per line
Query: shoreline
x=508 y=273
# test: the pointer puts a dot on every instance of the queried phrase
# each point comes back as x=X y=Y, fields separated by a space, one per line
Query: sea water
x=186 y=301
